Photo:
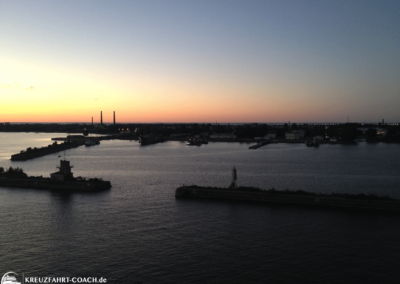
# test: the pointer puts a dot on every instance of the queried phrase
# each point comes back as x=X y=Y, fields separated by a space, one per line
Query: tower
x=101 y=117
x=65 y=167
x=114 y=117
x=92 y=120
x=234 y=178
x=64 y=172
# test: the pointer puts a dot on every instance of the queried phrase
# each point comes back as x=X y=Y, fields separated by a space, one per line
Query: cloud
x=30 y=88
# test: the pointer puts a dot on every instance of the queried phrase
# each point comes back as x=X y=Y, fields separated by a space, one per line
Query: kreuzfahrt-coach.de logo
x=9 y=278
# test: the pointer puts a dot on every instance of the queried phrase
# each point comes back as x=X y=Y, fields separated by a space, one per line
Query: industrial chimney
x=114 y=117
x=101 y=117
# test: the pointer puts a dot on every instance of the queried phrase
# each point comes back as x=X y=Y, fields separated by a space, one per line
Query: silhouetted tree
x=286 y=127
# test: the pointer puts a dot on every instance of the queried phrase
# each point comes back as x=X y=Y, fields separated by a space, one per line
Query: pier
x=50 y=149
x=63 y=179
x=291 y=197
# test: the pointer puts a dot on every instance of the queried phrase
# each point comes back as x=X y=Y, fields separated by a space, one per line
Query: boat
x=150 y=139
x=193 y=142
x=312 y=143
x=92 y=142
x=309 y=143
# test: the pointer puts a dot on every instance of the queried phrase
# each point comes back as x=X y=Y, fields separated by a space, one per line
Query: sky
x=200 y=61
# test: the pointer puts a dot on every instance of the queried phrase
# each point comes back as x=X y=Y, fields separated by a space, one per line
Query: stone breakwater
x=55 y=184
x=285 y=198
x=27 y=155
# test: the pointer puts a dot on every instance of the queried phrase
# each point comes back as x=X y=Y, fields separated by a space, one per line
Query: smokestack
x=114 y=117
x=92 y=120
x=101 y=117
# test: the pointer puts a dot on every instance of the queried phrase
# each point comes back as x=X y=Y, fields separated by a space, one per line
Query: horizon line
x=111 y=123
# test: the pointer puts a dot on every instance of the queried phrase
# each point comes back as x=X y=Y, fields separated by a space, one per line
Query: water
x=139 y=233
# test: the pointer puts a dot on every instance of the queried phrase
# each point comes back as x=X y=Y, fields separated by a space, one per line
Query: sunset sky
x=200 y=61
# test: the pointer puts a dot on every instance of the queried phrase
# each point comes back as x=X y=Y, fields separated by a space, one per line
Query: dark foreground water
x=139 y=233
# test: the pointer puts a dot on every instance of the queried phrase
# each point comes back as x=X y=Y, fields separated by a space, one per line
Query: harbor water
x=137 y=232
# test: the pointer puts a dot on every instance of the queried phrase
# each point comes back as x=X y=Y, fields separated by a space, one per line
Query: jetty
x=63 y=179
x=359 y=201
x=30 y=153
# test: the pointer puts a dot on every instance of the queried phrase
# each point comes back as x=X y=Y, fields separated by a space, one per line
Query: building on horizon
x=295 y=134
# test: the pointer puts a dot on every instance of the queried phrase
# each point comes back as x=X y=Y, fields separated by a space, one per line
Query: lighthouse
x=234 y=178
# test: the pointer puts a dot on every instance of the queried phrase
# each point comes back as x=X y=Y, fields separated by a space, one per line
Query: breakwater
x=43 y=183
x=53 y=148
x=295 y=198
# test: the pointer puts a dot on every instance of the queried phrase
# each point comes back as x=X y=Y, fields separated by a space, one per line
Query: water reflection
x=138 y=230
